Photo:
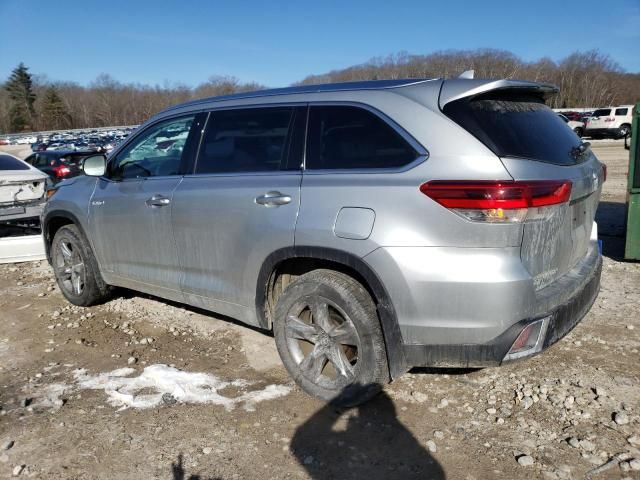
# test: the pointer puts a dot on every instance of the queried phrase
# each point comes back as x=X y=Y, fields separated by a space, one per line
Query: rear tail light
x=499 y=201
x=61 y=171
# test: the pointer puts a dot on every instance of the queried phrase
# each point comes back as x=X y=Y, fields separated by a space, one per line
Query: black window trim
x=184 y=163
x=298 y=107
x=422 y=154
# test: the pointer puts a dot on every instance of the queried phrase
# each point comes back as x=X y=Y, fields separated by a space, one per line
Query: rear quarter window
x=516 y=124
x=348 y=137
x=7 y=162
x=603 y=112
x=622 y=111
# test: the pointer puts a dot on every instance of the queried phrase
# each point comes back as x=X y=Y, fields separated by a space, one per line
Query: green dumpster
x=632 y=246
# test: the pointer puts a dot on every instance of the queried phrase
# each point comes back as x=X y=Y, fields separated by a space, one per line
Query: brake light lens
x=499 y=201
x=61 y=171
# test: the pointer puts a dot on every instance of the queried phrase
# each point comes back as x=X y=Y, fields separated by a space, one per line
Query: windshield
x=7 y=162
x=514 y=123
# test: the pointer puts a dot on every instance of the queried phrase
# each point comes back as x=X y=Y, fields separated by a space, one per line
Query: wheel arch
x=55 y=220
x=301 y=259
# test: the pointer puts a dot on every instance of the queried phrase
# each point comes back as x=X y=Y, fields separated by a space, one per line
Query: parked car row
x=609 y=122
x=101 y=141
x=93 y=140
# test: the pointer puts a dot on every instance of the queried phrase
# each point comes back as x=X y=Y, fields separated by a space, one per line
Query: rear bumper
x=20 y=211
x=562 y=318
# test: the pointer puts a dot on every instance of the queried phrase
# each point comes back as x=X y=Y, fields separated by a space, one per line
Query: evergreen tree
x=21 y=96
x=54 y=111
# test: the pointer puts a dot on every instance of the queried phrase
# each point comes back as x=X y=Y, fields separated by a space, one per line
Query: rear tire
x=333 y=318
x=624 y=130
x=76 y=268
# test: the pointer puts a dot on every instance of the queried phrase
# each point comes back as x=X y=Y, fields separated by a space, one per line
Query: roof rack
x=327 y=87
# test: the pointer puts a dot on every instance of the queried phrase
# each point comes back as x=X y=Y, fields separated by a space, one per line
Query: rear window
x=603 y=112
x=516 y=124
x=73 y=159
x=622 y=111
x=7 y=162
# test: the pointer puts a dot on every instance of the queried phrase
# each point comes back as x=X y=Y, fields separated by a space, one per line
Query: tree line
x=586 y=79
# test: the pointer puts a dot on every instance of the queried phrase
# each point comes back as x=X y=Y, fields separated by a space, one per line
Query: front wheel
x=329 y=338
x=76 y=269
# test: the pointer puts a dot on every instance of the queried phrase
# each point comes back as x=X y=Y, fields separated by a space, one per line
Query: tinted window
x=246 y=140
x=42 y=160
x=155 y=152
x=603 y=112
x=515 y=124
x=622 y=111
x=7 y=162
x=342 y=137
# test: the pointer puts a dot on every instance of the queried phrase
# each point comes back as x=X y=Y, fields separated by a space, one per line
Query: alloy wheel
x=70 y=268
x=323 y=341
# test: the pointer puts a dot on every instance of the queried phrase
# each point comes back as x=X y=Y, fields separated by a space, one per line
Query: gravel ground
x=69 y=410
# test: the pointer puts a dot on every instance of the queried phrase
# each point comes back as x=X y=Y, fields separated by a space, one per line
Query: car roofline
x=303 y=89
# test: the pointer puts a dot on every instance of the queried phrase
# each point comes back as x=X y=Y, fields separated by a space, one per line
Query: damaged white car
x=22 y=189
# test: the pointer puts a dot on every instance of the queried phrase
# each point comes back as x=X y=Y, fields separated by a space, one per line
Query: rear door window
x=516 y=124
x=245 y=140
x=347 y=137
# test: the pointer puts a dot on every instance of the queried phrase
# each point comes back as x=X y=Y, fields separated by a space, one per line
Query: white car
x=577 y=127
x=610 y=122
x=22 y=189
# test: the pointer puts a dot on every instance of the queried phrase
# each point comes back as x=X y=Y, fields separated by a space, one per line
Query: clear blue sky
x=276 y=43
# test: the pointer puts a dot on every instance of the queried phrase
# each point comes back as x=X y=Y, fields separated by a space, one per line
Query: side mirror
x=626 y=143
x=95 y=165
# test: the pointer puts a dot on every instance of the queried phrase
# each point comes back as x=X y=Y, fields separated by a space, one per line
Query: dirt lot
x=68 y=410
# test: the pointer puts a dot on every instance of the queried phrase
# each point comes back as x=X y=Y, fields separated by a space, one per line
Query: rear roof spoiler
x=458 y=88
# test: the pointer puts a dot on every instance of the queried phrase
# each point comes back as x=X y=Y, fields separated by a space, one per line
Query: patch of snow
x=123 y=389
x=49 y=396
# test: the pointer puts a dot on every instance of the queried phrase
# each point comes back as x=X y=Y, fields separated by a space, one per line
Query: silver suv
x=372 y=226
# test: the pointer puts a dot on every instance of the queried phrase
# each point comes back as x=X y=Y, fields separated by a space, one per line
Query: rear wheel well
x=286 y=271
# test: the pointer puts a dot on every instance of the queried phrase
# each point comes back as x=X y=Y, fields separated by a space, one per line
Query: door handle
x=158 y=201
x=273 y=199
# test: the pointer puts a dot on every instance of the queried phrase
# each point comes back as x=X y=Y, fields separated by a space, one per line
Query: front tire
x=329 y=338
x=76 y=268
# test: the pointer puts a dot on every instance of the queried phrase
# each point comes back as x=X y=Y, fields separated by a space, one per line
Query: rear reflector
x=530 y=340
x=499 y=201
